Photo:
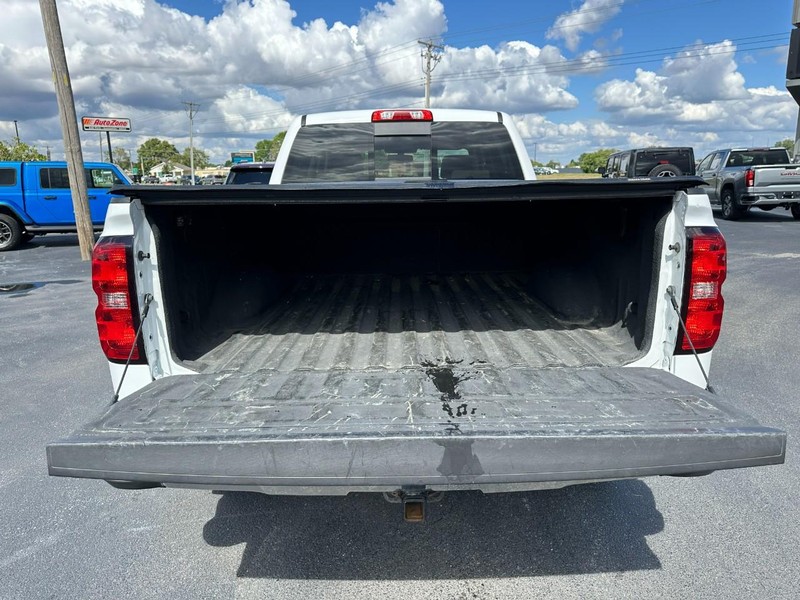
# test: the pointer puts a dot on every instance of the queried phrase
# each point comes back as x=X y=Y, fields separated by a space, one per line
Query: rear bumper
x=772 y=197
x=611 y=424
x=421 y=460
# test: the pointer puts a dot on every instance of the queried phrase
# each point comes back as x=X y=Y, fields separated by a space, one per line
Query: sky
x=575 y=75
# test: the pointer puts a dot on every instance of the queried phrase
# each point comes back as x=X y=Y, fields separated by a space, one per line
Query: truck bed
x=393 y=322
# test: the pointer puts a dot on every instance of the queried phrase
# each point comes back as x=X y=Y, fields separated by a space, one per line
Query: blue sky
x=576 y=75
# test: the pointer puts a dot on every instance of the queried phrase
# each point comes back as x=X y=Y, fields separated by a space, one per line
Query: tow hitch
x=414 y=500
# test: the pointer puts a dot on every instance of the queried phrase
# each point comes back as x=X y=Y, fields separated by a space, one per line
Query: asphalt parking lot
x=732 y=534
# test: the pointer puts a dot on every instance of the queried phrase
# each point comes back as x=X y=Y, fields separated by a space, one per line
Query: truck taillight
x=117 y=313
x=749 y=178
x=401 y=115
x=702 y=297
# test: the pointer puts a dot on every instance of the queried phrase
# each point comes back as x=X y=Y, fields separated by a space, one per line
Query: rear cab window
x=752 y=158
x=8 y=177
x=402 y=151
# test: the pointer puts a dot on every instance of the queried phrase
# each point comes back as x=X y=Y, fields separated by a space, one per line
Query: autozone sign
x=105 y=124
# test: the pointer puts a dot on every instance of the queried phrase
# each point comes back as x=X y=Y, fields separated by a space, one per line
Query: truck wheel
x=730 y=210
x=795 y=208
x=10 y=233
x=665 y=171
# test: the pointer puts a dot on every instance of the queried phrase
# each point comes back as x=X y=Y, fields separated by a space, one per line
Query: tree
x=201 y=160
x=553 y=164
x=275 y=145
x=589 y=161
x=154 y=151
x=788 y=143
x=536 y=163
x=122 y=158
x=262 y=150
x=268 y=149
x=16 y=149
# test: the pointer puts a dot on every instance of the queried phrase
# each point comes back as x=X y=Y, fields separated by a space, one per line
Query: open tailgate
x=431 y=425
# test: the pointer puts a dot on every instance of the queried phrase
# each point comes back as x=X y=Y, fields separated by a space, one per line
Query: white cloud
x=588 y=18
x=517 y=77
x=697 y=90
x=704 y=73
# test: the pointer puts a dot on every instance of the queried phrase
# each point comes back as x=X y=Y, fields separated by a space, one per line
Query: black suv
x=650 y=162
x=250 y=173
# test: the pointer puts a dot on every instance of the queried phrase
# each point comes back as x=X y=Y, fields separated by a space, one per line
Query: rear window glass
x=8 y=177
x=54 y=178
x=249 y=177
x=754 y=158
x=351 y=152
x=648 y=160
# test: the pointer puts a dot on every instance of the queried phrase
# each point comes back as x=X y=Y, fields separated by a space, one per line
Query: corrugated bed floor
x=392 y=322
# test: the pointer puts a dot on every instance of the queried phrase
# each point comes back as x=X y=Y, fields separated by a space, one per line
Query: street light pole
x=16 y=129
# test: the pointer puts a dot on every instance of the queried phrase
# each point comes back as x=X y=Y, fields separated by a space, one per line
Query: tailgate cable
x=148 y=298
x=674 y=301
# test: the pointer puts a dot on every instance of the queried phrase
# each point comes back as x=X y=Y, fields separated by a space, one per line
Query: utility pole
x=191 y=110
x=432 y=54
x=69 y=126
x=16 y=129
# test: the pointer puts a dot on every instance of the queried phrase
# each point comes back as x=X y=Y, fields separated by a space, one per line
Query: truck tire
x=730 y=210
x=10 y=232
x=665 y=171
x=795 y=208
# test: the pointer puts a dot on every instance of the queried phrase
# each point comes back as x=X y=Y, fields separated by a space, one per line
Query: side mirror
x=601 y=170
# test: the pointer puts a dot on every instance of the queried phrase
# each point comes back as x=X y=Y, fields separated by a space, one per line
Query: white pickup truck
x=406 y=310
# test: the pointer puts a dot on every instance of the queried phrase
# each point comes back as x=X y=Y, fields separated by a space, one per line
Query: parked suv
x=650 y=162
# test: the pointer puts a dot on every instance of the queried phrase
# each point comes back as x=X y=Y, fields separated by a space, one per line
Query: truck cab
x=35 y=198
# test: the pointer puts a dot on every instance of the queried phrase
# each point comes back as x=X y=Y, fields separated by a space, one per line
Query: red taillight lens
x=749 y=178
x=401 y=115
x=702 y=298
x=117 y=312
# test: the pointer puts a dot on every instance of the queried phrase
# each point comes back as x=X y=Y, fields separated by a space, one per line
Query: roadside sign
x=243 y=157
x=105 y=124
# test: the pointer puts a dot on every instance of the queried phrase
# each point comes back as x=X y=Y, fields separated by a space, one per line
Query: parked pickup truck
x=35 y=198
x=404 y=309
x=738 y=179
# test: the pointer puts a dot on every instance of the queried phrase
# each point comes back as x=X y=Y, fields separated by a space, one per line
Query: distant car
x=212 y=180
x=544 y=170
x=650 y=162
x=255 y=173
x=150 y=179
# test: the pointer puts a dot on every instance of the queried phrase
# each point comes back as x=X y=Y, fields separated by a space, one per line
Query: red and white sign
x=105 y=124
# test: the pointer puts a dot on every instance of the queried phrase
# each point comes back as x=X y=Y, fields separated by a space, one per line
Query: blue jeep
x=35 y=198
